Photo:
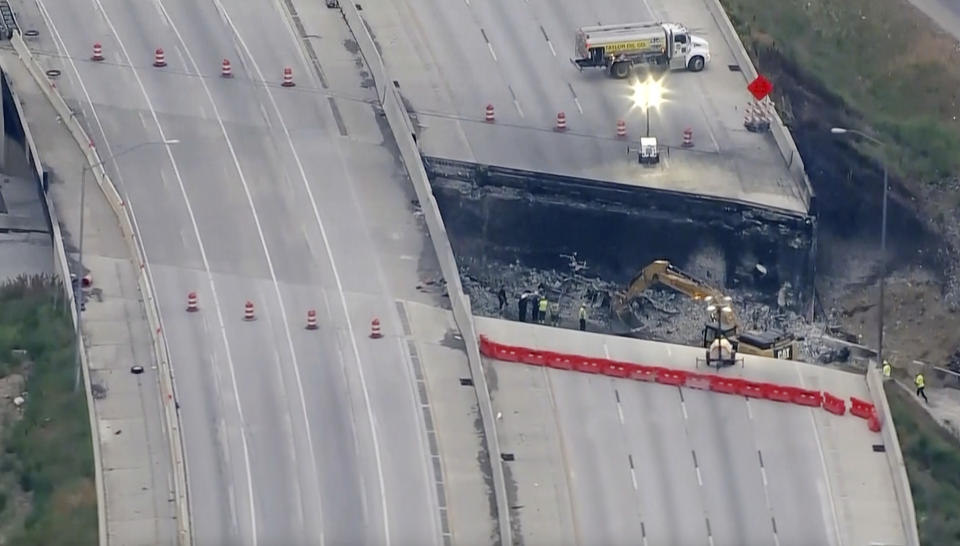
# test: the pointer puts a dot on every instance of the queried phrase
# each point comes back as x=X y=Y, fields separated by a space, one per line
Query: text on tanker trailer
x=618 y=48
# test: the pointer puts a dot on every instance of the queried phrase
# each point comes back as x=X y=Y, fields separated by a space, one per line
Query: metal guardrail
x=898 y=470
x=167 y=382
x=785 y=143
x=402 y=129
x=63 y=271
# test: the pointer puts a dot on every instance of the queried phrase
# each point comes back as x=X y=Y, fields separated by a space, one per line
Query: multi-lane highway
x=628 y=462
x=452 y=58
x=287 y=198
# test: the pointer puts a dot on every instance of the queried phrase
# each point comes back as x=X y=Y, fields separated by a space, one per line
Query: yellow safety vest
x=583 y=313
x=919 y=380
x=543 y=304
x=886 y=369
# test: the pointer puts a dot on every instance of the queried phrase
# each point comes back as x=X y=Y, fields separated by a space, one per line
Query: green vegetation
x=47 y=459
x=932 y=456
x=884 y=59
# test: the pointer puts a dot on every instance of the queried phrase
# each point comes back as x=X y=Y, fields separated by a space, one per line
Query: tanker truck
x=618 y=48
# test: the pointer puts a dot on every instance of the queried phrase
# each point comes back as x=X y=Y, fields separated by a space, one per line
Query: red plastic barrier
x=531 y=356
x=751 y=389
x=671 y=377
x=833 y=404
x=644 y=373
x=780 y=393
x=507 y=353
x=726 y=385
x=616 y=369
x=486 y=348
x=806 y=397
x=559 y=361
x=873 y=423
x=861 y=408
x=699 y=380
x=589 y=365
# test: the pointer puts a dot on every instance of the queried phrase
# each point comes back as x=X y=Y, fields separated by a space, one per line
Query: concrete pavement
x=945 y=13
x=292 y=199
x=454 y=58
x=684 y=466
x=134 y=454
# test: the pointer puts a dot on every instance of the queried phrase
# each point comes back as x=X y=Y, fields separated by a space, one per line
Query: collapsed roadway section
x=526 y=151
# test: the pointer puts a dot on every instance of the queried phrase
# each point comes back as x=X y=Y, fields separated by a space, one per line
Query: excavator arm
x=661 y=271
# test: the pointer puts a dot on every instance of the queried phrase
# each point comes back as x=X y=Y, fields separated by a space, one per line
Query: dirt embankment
x=923 y=235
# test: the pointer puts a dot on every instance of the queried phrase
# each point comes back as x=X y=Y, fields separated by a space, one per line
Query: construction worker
x=887 y=369
x=583 y=318
x=502 y=297
x=543 y=310
x=918 y=381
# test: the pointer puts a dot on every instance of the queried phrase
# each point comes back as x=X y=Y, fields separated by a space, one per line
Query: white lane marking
x=620 y=412
x=492 y=54
x=577 y=102
x=749 y=410
x=201 y=248
x=763 y=475
x=550 y=45
x=699 y=477
x=273 y=275
x=683 y=406
x=333 y=266
x=633 y=478
x=516 y=105
x=823 y=465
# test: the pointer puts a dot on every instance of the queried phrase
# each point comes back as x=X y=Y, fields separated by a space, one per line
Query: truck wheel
x=695 y=64
x=620 y=70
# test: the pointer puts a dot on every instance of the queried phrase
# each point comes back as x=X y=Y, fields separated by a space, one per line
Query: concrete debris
x=661 y=314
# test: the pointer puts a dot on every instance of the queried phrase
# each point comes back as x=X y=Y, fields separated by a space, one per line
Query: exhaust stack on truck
x=617 y=48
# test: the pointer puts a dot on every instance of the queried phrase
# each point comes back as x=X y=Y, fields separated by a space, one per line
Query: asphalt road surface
x=292 y=436
x=451 y=59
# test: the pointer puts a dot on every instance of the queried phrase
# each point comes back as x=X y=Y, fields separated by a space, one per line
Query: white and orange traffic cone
x=248 y=311
x=288 y=77
x=159 y=59
x=489 y=114
x=192 y=302
x=621 y=129
x=311 y=320
x=375 y=329
x=226 y=70
x=688 y=138
x=561 y=121
x=97 y=52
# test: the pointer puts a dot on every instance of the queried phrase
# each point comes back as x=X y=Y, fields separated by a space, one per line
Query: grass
x=888 y=62
x=932 y=456
x=48 y=451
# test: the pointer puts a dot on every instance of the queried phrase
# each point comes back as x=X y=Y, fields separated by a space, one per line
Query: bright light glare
x=838 y=130
x=647 y=94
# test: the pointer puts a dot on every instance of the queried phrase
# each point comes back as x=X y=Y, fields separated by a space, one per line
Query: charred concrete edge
x=785 y=143
x=651 y=201
x=63 y=271
x=403 y=133
x=898 y=470
x=167 y=380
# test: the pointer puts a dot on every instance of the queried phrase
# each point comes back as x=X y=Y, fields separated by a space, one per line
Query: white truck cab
x=618 y=48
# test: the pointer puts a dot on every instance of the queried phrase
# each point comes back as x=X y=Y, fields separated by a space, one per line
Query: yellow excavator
x=723 y=338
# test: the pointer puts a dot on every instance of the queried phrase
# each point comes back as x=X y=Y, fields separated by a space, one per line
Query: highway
x=630 y=462
x=451 y=59
x=275 y=196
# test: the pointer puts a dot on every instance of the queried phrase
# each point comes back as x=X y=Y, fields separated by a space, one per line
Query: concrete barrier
x=785 y=143
x=63 y=271
x=898 y=470
x=145 y=284
x=402 y=129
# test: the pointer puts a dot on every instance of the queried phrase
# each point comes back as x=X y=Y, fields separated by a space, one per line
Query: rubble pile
x=660 y=314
